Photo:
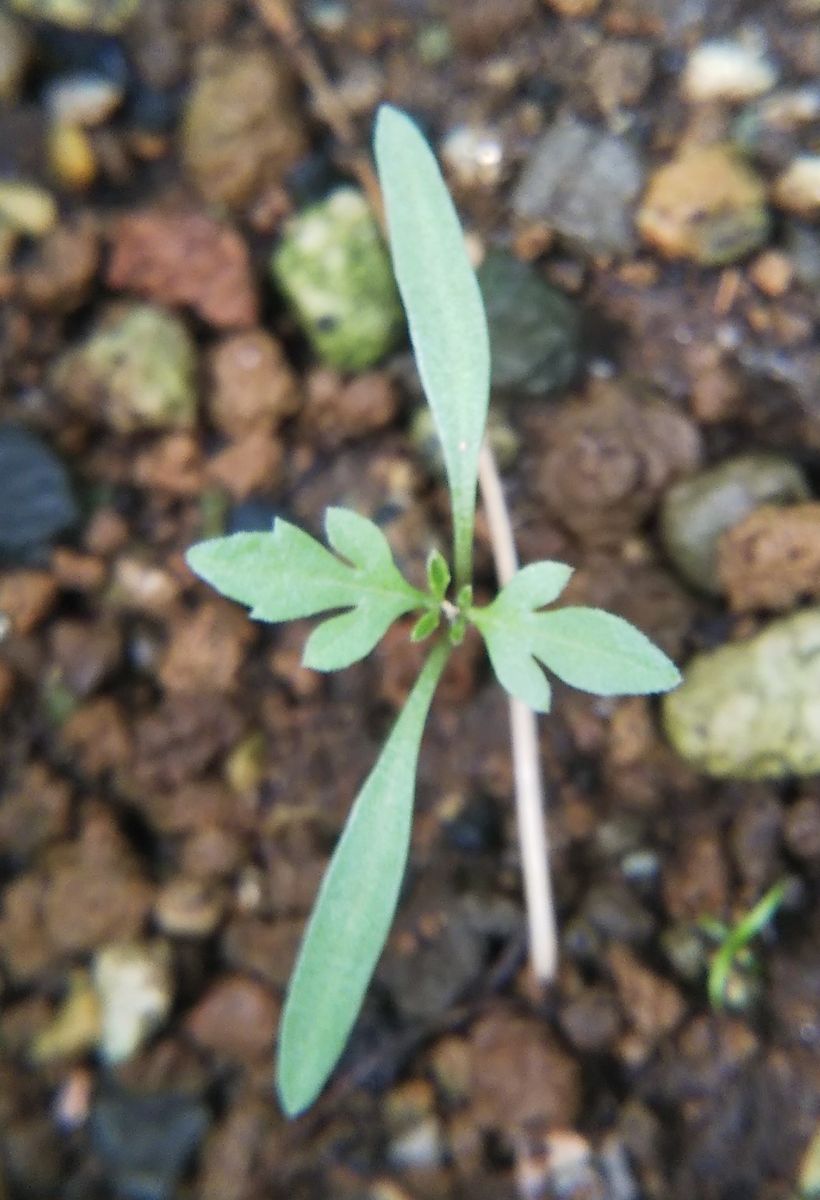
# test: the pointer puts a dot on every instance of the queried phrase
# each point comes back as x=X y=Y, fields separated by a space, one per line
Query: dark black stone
x=534 y=329
x=145 y=1141
x=36 y=500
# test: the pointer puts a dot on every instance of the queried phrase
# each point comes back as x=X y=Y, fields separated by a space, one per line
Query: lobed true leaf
x=287 y=574
x=590 y=649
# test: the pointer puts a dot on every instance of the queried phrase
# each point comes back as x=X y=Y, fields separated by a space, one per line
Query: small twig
x=279 y=18
x=529 y=786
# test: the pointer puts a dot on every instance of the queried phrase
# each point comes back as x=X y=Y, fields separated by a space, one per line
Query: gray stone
x=696 y=511
x=751 y=710
x=584 y=183
x=534 y=329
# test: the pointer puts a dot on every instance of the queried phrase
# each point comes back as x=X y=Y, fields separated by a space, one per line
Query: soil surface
x=173 y=778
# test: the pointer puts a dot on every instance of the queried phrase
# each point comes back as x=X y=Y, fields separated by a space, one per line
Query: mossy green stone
x=333 y=267
x=98 y=16
x=139 y=367
x=751 y=710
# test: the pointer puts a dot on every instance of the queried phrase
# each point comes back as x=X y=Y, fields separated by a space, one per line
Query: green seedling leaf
x=438 y=575
x=585 y=647
x=426 y=625
x=354 y=909
x=736 y=940
x=287 y=574
x=445 y=312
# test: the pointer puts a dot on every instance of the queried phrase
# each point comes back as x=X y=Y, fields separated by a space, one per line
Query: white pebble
x=726 y=70
x=798 y=188
x=84 y=100
x=133 y=982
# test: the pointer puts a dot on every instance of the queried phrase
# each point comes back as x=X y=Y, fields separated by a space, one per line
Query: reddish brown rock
x=609 y=459
x=771 y=559
x=105 y=533
x=172 y=464
x=207 y=649
x=520 y=1075
x=35 y=810
x=85 y=653
x=7 y=681
x=695 y=881
x=77 y=572
x=253 y=387
x=95 y=892
x=61 y=272
x=336 y=412
x=98 y=737
x=653 y=1005
x=180 y=738
x=184 y=258
x=211 y=853
x=188 y=908
x=88 y=891
x=236 y=1019
x=253 y=464
x=26 y=598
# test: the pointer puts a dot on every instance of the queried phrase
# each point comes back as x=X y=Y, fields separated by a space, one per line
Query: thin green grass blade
x=354 y=909
x=445 y=311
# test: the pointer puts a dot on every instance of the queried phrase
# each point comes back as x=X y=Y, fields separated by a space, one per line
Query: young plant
x=734 y=952
x=286 y=574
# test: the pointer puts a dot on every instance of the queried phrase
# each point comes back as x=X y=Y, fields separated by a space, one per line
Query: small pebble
x=474 y=156
x=15 y=50
x=750 y=709
x=696 y=511
x=534 y=329
x=188 y=908
x=145 y=1140
x=135 y=987
x=71 y=157
x=26 y=599
x=36 y=501
x=135 y=371
x=236 y=1019
x=706 y=205
x=583 y=182
x=76 y=1025
x=242 y=128
x=27 y=208
x=334 y=269
x=111 y=16
x=83 y=100
x=772 y=272
x=802 y=828
x=727 y=70
x=798 y=188
x=574 y=8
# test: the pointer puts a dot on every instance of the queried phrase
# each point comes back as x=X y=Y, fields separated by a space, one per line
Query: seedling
x=734 y=951
x=286 y=574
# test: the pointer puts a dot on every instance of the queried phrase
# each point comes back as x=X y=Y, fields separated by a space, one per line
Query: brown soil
x=173 y=774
